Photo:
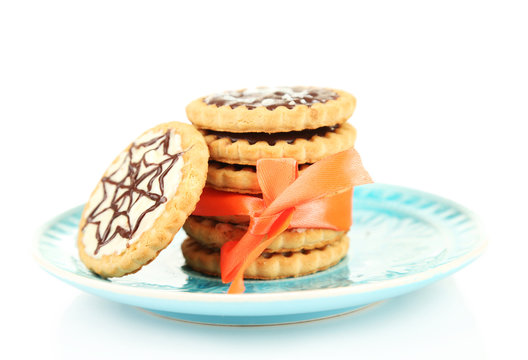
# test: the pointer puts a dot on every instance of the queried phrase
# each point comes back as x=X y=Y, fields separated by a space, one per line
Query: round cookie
x=214 y=234
x=269 y=266
x=272 y=109
x=306 y=146
x=143 y=199
x=236 y=178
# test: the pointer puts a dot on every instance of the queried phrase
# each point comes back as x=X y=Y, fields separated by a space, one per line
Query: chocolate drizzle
x=271 y=139
x=272 y=98
x=128 y=193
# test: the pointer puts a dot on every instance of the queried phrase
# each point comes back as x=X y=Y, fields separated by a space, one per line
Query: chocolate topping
x=289 y=137
x=271 y=98
x=127 y=192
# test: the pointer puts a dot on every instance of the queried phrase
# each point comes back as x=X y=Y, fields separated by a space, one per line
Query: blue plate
x=401 y=240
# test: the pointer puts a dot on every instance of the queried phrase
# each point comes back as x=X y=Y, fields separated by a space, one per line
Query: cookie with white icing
x=272 y=109
x=143 y=199
x=214 y=234
x=269 y=266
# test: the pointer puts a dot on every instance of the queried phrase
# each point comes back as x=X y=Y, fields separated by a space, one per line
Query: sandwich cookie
x=305 y=146
x=272 y=109
x=269 y=266
x=214 y=234
x=236 y=178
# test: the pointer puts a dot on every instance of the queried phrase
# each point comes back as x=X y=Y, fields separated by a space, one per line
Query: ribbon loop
x=274 y=176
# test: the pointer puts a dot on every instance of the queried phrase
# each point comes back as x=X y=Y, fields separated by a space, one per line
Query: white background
x=442 y=92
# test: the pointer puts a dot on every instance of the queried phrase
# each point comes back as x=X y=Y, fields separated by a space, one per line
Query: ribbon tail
x=280 y=225
x=232 y=255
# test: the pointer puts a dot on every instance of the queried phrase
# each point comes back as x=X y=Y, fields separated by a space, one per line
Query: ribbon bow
x=321 y=197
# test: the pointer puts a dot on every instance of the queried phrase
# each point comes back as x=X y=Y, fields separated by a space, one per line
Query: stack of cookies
x=241 y=127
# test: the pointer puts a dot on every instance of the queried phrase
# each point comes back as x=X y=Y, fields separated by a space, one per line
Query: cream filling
x=154 y=156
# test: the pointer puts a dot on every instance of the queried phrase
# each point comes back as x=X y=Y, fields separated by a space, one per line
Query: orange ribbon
x=321 y=197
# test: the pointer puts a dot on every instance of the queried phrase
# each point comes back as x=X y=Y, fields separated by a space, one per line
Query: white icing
x=267 y=102
x=154 y=156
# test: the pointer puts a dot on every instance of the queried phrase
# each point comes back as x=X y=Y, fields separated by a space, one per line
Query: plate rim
x=184 y=296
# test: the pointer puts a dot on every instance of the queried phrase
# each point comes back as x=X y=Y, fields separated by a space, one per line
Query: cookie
x=269 y=266
x=307 y=146
x=214 y=234
x=143 y=199
x=272 y=109
x=236 y=178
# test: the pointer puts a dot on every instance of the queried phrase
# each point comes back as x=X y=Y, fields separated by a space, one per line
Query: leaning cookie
x=307 y=146
x=214 y=234
x=272 y=109
x=269 y=266
x=143 y=199
x=236 y=178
